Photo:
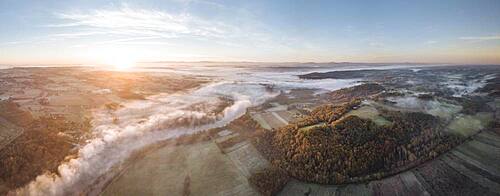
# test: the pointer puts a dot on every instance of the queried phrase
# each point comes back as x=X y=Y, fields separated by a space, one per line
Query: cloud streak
x=482 y=38
x=430 y=42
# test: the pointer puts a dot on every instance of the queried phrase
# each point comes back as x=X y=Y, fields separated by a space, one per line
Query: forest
x=43 y=145
x=269 y=181
x=328 y=148
x=360 y=91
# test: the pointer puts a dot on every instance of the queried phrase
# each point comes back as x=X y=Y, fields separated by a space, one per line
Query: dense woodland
x=356 y=92
x=41 y=148
x=492 y=87
x=269 y=181
x=328 y=148
x=347 y=74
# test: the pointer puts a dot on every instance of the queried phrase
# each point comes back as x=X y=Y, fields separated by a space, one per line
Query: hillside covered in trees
x=44 y=143
x=328 y=148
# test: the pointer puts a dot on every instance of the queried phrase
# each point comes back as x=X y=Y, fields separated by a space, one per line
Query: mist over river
x=165 y=116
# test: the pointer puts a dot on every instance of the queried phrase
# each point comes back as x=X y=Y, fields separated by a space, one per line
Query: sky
x=106 y=32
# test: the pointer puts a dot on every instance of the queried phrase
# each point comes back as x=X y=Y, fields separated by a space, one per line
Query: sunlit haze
x=93 y=32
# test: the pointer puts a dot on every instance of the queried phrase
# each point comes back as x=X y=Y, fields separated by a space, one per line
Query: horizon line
x=225 y=62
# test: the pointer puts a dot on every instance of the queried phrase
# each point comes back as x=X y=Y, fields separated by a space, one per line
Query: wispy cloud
x=376 y=44
x=130 y=41
x=430 y=42
x=481 y=38
x=130 y=22
x=12 y=43
x=235 y=29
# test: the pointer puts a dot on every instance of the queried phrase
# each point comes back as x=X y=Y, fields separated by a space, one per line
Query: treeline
x=328 y=148
x=325 y=113
x=12 y=112
x=473 y=105
x=355 y=92
x=492 y=87
x=269 y=181
x=39 y=149
x=347 y=74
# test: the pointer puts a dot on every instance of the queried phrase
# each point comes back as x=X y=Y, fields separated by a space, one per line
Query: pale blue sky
x=95 y=32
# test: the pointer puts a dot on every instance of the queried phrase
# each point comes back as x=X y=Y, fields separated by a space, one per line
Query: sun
x=117 y=58
x=121 y=64
x=124 y=65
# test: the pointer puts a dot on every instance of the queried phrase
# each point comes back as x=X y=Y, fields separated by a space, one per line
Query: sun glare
x=121 y=64
x=124 y=65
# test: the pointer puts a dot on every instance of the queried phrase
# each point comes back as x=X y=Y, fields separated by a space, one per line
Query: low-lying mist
x=117 y=134
x=145 y=122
